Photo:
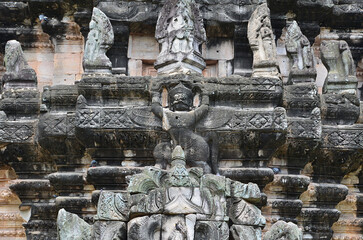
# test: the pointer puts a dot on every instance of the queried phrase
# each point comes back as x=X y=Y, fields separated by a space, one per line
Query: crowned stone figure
x=302 y=66
x=262 y=42
x=180 y=33
x=99 y=41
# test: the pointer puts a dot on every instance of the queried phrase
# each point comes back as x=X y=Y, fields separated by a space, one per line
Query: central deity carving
x=180 y=33
x=179 y=120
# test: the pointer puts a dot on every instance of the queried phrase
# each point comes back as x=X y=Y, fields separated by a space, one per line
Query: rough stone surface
x=72 y=227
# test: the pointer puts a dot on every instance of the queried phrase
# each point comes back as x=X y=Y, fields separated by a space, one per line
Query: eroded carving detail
x=338 y=59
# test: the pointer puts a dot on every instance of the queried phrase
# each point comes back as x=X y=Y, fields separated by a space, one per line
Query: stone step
x=260 y=176
x=107 y=177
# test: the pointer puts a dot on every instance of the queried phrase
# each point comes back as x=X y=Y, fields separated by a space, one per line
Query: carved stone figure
x=179 y=120
x=338 y=59
x=302 y=68
x=180 y=32
x=262 y=42
x=176 y=204
x=18 y=73
x=99 y=41
x=283 y=230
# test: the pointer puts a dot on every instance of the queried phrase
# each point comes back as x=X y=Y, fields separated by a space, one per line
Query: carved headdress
x=175 y=7
x=181 y=88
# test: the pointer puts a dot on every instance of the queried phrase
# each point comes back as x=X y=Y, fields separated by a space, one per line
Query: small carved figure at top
x=18 y=73
x=347 y=59
x=302 y=68
x=179 y=120
x=180 y=32
x=338 y=59
x=262 y=42
x=99 y=41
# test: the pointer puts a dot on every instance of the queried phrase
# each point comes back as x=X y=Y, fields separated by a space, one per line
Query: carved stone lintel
x=205 y=230
x=113 y=206
x=242 y=212
x=147 y=227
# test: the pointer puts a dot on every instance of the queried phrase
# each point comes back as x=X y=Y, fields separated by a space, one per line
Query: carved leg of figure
x=196 y=150
x=162 y=154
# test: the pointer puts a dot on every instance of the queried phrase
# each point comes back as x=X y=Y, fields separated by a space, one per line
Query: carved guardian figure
x=180 y=32
x=179 y=120
x=302 y=65
x=99 y=41
x=338 y=59
x=18 y=73
x=262 y=42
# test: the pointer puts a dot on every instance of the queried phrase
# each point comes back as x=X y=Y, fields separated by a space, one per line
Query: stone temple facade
x=181 y=119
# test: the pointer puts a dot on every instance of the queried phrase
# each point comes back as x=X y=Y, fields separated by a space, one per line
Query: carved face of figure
x=93 y=23
x=265 y=29
x=181 y=21
x=181 y=101
x=343 y=46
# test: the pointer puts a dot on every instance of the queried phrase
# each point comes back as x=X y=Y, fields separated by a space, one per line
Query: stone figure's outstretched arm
x=201 y=111
x=156 y=107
